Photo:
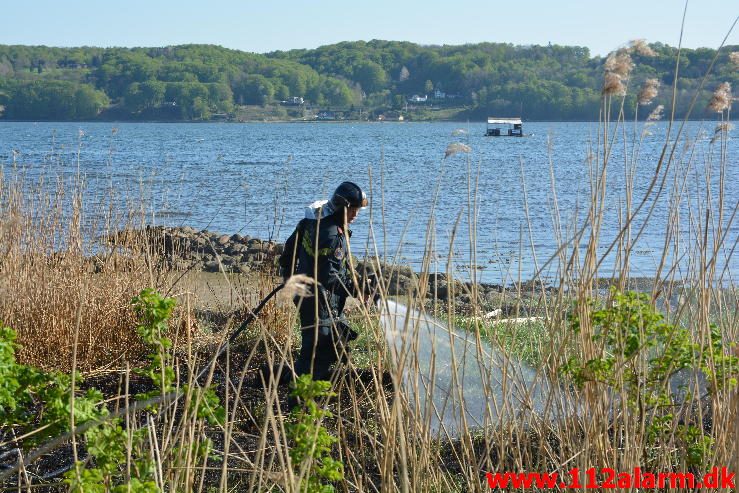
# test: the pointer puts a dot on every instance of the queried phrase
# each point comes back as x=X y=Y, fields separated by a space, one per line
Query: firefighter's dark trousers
x=320 y=351
x=323 y=346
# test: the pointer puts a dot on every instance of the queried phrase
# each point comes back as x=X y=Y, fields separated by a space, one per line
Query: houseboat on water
x=504 y=127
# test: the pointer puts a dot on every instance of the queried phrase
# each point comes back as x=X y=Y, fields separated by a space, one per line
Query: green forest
x=358 y=79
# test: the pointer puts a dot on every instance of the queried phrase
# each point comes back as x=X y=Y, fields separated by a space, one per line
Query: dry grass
x=61 y=279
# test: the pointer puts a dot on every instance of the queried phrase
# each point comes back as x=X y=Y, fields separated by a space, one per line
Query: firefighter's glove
x=370 y=287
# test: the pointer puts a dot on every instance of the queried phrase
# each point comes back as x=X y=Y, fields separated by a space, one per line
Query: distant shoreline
x=232 y=122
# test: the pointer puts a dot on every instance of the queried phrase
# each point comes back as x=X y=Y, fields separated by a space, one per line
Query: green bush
x=38 y=405
x=311 y=450
x=640 y=353
x=31 y=399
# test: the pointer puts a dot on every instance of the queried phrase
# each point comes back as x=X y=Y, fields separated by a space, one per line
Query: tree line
x=197 y=82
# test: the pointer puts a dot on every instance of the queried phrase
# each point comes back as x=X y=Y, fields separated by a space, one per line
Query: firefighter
x=318 y=248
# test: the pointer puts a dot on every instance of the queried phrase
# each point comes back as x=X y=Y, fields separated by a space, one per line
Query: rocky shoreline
x=186 y=248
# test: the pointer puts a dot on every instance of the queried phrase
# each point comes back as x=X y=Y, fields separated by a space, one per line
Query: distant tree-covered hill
x=196 y=82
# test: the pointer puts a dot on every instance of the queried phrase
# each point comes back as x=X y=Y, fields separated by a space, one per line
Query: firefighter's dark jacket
x=320 y=252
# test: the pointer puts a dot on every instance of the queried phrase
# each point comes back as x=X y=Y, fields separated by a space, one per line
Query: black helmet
x=348 y=194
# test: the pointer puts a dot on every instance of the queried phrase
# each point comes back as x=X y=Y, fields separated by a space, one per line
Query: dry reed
x=721 y=99
x=48 y=260
x=641 y=47
x=455 y=148
x=648 y=92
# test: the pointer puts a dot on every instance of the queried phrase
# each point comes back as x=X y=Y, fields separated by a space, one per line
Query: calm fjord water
x=256 y=179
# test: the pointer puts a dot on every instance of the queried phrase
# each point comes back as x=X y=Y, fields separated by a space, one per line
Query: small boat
x=495 y=127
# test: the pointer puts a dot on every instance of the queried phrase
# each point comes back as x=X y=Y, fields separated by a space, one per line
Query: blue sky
x=262 y=26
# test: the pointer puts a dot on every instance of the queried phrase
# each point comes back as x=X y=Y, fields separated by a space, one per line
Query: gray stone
x=400 y=285
x=223 y=240
x=491 y=288
x=404 y=270
x=236 y=248
x=244 y=268
x=235 y=237
x=211 y=266
x=442 y=291
x=436 y=278
x=491 y=297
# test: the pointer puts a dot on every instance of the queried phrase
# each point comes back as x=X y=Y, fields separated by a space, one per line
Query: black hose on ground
x=253 y=313
x=249 y=319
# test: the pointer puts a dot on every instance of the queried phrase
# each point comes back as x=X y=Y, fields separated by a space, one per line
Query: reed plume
x=620 y=63
x=613 y=85
x=721 y=99
x=722 y=128
x=656 y=114
x=649 y=91
x=456 y=147
x=618 y=68
x=641 y=47
x=298 y=285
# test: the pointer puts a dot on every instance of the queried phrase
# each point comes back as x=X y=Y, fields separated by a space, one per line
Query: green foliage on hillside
x=194 y=82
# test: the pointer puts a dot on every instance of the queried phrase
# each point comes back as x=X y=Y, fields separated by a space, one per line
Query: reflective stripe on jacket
x=321 y=252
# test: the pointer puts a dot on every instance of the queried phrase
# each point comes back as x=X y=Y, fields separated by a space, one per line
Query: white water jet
x=455 y=381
